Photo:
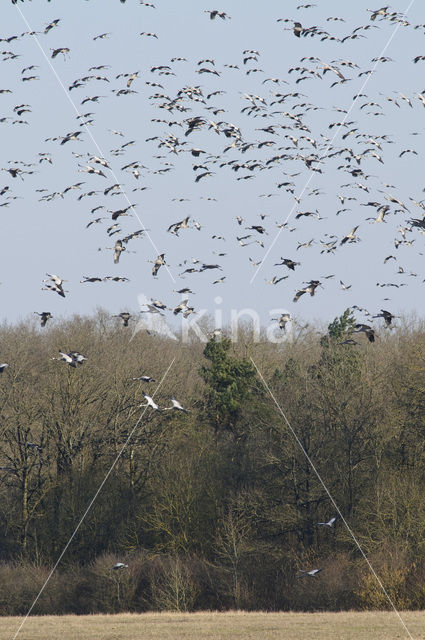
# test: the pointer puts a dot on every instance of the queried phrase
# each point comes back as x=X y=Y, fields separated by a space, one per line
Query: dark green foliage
x=341 y=326
x=338 y=360
x=229 y=381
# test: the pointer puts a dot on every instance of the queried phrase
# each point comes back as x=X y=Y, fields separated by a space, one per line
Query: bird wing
x=299 y=294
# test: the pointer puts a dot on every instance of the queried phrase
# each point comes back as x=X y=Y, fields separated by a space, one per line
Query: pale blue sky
x=40 y=237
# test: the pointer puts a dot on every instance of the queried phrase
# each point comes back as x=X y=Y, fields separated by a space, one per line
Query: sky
x=44 y=232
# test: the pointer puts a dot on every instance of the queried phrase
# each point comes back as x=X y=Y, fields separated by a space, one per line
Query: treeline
x=216 y=508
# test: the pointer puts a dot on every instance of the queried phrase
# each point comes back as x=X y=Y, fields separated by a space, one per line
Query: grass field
x=220 y=626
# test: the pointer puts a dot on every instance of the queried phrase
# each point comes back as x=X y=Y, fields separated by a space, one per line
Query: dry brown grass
x=219 y=626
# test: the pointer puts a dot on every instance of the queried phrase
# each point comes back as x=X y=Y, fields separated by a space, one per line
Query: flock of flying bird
x=285 y=142
x=288 y=135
